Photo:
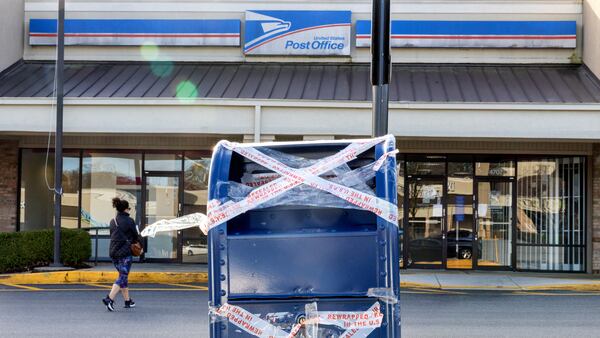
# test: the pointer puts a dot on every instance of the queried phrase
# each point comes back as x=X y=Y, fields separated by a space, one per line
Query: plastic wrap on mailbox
x=285 y=179
x=305 y=195
x=386 y=295
x=304 y=323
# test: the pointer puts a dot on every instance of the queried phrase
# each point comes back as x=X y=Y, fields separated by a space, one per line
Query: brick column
x=596 y=209
x=9 y=158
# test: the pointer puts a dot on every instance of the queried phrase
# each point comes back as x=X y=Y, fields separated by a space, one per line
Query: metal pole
x=380 y=65
x=96 y=249
x=58 y=157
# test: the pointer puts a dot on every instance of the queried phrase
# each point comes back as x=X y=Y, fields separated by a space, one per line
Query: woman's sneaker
x=110 y=304
x=129 y=304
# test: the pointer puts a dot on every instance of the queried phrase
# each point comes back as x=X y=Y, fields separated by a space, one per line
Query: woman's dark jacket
x=123 y=233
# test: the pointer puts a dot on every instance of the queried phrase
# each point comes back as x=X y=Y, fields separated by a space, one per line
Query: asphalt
x=167 y=310
x=77 y=311
x=500 y=314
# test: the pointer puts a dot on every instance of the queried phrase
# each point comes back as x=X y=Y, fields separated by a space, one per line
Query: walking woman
x=123 y=233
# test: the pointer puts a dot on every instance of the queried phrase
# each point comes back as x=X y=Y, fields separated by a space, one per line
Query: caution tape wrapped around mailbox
x=343 y=324
x=293 y=180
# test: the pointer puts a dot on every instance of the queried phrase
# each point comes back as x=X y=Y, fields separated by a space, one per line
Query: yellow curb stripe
x=419 y=285
x=530 y=293
x=481 y=287
x=565 y=287
x=199 y=287
x=95 y=289
x=82 y=277
x=103 y=286
x=26 y=287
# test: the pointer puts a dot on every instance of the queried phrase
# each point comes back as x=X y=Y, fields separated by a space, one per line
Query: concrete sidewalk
x=426 y=279
x=493 y=280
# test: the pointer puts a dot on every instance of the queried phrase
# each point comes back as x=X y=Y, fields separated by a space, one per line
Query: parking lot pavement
x=75 y=310
x=180 y=310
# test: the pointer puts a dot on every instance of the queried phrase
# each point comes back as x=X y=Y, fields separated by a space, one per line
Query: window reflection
x=162 y=162
x=499 y=168
x=426 y=168
x=36 y=205
x=196 y=170
x=460 y=235
x=425 y=222
x=460 y=168
x=400 y=190
x=551 y=212
x=108 y=175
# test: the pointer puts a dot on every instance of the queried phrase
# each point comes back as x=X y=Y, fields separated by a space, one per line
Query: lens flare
x=186 y=91
x=150 y=51
x=162 y=68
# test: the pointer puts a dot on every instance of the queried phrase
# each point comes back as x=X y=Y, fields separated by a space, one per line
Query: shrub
x=22 y=251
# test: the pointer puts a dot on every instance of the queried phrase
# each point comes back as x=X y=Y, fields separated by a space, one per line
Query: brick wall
x=596 y=209
x=9 y=158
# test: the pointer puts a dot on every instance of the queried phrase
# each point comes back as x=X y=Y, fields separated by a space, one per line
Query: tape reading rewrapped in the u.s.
x=356 y=323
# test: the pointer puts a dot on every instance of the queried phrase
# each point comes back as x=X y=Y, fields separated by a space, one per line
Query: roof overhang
x=579 y=121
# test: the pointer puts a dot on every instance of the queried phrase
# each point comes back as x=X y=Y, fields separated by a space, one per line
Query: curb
x=82 y=277
x=564 y=287
x=547 y=287
x=67 y=277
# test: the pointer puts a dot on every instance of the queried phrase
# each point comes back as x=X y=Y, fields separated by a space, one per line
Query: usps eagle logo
x=297 y=33
x=270 y=26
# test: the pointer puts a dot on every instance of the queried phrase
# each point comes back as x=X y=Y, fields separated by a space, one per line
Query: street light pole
x=58 y=149
x=380 y=65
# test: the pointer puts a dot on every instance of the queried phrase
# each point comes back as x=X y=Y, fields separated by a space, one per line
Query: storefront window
x=495 y=168
x=551 y=214
x=196 y=170
x=105 y=176
x=162 y=162
x=426 y=168
x=36 y=205
x=400 y=189
x=460 y=169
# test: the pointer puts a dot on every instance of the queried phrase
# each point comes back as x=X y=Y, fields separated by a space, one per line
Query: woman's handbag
x=136 y=248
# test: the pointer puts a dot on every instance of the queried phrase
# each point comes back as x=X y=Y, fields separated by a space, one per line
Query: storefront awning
x=331 y=82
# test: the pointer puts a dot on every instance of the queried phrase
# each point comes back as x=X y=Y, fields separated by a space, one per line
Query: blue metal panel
x=500 y=34
x=131 y=32
x=497 y=28
x=140 y=26
x=307 y=265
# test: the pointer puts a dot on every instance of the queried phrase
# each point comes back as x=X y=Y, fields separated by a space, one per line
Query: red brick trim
x=9 y=166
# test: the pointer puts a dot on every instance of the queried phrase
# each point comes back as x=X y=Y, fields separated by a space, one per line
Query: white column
x=250 y=138
x=318 y=137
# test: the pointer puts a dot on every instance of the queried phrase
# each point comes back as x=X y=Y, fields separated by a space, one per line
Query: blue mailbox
x=303 y=239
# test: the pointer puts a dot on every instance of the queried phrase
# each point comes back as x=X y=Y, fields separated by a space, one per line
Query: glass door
x=425 y=215
x=459 y=231
x=162 y=202
x=494 y=223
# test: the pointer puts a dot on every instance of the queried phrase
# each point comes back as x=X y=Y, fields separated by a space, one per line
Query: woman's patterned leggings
x=123 y=266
